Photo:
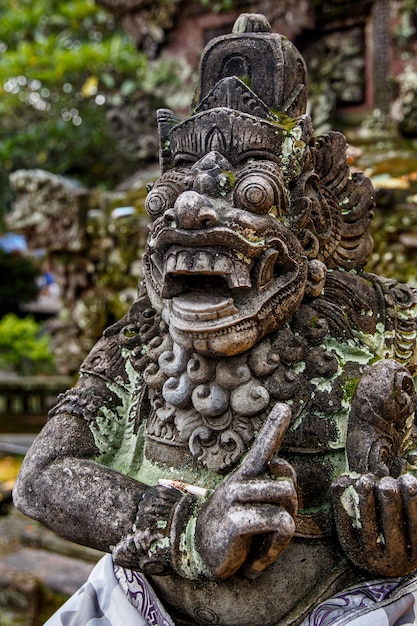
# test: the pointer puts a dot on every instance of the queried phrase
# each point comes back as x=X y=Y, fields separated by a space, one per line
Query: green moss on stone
x=350 y=387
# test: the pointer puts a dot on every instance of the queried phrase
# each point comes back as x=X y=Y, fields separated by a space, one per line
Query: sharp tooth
x=202 y=261
x=234 y=282
x=266 y=265
x=184 y=261
x=171 y=264
x=157 y=261
x=222 y=264
x=239 y=277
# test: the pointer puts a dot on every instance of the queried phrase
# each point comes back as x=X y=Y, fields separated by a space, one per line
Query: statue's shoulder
x=360 y=306
x=122 y=348
x=111 y=374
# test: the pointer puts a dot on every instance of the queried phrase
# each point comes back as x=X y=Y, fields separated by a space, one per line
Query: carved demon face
x=220 y=262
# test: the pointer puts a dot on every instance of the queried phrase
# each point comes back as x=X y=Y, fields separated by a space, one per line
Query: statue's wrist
x=188 y=561
x=162 y=537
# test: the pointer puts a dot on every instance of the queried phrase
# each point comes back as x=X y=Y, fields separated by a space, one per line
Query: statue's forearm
x=62 y=486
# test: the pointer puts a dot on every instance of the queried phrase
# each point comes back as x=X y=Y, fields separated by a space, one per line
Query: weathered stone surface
x=92 y=242
x=259 y=364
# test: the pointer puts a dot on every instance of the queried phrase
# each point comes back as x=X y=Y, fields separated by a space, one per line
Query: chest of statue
x=215 y=408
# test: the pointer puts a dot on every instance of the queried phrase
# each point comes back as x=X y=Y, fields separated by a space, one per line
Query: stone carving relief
x=91 y=252
x=260 y=363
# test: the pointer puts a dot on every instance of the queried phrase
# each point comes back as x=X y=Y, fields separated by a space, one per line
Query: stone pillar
x=381 y=65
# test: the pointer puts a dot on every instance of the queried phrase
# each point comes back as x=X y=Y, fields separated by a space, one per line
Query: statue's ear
x=315 y=216
x=355 y=202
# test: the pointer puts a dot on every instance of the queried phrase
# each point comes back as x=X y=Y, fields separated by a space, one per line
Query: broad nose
x=192 y=211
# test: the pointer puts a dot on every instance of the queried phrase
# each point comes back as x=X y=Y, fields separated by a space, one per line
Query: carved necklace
x=216 y=406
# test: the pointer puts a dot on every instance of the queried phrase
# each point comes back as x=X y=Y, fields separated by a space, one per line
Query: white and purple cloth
x=114 y=596
x=385 y=602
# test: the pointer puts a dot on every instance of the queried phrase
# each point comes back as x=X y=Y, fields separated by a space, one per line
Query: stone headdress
x=250 y=104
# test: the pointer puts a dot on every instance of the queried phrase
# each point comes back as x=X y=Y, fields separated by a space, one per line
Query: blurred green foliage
x=218 y=5
x=61 y=65
x=24 y=347
x=406 y=25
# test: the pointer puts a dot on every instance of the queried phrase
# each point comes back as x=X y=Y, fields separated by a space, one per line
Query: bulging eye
x=254 y=193
x=259 y=187
x=166 y=190
x=161 y=198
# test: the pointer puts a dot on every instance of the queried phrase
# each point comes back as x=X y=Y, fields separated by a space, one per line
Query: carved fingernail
x=388 y=488
x=341 y=484
x=364 y=485
x=409 y=485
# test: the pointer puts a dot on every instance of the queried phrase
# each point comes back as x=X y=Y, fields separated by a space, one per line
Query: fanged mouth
x=212 y=284
x=179 y=266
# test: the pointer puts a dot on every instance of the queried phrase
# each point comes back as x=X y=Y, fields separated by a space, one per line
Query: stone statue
x=242 y=441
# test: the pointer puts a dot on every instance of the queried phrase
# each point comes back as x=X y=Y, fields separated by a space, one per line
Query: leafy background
x=62 y=65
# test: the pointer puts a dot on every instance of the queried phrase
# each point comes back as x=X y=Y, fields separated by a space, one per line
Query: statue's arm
x=63 y=486
x=247 y=520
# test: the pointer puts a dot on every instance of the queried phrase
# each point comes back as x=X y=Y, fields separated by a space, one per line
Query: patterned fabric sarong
x=141 y=595
x=389 y=602
x=102 y=601
x=114 y=596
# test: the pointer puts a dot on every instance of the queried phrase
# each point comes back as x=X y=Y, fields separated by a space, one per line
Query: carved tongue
x=201 y=306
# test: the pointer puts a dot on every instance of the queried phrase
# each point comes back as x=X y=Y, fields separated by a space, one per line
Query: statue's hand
x=250 y=517
x=376 y=519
